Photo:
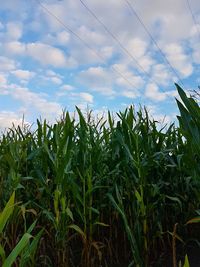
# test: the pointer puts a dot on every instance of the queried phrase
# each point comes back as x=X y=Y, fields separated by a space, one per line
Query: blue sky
x=45 y=68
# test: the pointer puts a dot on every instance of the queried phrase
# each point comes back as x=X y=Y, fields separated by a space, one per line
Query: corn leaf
x=17 y=250
x=7 y=211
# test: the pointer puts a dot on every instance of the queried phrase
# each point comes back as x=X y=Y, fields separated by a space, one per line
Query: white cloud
x=1 y=26
x=146 y=62
x=107 y=52
x=63 y=38
x=169 y=21
x=92 y=37
x=84 y=56
x=129 y=94
x=134 y=81
x=13 y=7
x=67 y=87
x=14 y=30
x=53 y=77
x=50 y=72
x=3 y=79
x=56 y=80
x=179 y=59
x=106 y=91
x=86 y=97
x=33 y=99
x=82 y=99
x=152 y=92
x=194 y=43
x=102 y=80
x=23 y=74
x=130 y=81
x=59 y=10
x=194 y=32
x=49 y=55
x=137 y=47
x=8 y=118
x=95 y=77
x=196 y=54
x=15 y=47
x=161 y=74
x=6 y=64
x=33 y=102
x=65 y=90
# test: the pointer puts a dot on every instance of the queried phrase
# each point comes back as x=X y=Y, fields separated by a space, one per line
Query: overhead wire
x=193 y=17
x=198 y=31
x=152 y=39
x=125 y=50
x=114 y=69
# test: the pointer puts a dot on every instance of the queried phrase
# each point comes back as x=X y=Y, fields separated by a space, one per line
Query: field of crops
x=101 y=193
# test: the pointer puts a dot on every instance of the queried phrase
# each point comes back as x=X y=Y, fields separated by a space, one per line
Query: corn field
x=112 y=192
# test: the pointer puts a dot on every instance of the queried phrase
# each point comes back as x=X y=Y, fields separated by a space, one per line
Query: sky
x=96 y=54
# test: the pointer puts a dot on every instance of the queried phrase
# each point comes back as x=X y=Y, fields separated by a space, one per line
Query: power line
x=152 y=39
x=193 y=16
x=118 y=41
x=85 y=43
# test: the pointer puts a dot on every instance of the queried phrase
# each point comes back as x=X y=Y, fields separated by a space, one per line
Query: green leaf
x=4 y=216
x=69 y=213
x=175 y=199
x=29 y=251
x=2 y=253
x=30 y=229
x=78 y=230
x=130 y=235
x=17 y=250
x=94 y=210
x=138 y=196
x=190 y=104
x=102 y=224
x=186 y=263
x=194 y=220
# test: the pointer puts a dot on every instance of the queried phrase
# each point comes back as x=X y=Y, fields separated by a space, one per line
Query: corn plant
x=104 y=191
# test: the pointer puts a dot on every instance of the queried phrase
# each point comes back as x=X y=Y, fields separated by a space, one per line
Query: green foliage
x=186 y=262
x=102 y=191
x=7 y=211
x=17 y=250
x=23 y=246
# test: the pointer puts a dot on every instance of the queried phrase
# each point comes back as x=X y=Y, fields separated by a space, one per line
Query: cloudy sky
x=101 y=54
